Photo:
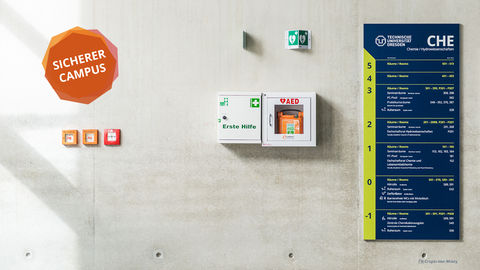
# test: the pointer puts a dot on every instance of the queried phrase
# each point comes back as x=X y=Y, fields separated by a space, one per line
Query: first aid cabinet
x=239 y=117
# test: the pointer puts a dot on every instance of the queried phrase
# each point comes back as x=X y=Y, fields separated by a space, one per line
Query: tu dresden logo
x=380 y=41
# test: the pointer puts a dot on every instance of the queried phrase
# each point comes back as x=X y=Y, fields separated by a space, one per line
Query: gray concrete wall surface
x=170 y=189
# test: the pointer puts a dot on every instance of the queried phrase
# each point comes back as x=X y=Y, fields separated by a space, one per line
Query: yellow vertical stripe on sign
x=369 y=180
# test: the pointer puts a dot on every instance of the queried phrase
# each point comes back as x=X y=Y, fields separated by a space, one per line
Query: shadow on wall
x=30 y=167
x=23 y=30
x=323 y=151
x=54 y=189
x=253 y=45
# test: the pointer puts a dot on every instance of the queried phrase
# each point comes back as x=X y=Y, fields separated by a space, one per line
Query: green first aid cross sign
x=254 y=103
x=298 y=39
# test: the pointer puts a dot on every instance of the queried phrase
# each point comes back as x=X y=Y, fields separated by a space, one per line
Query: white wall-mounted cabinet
x=272 y=119
x=239 y=117
x=289 y=119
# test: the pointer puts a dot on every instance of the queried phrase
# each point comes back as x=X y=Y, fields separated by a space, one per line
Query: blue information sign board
x=411 y=131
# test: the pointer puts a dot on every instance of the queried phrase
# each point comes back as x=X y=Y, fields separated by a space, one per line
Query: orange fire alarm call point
x=69 y=137
x=90 y=136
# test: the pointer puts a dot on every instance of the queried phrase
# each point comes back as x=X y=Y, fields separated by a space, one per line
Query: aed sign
x=298 y=39
x=80 y=65
x=289 y=100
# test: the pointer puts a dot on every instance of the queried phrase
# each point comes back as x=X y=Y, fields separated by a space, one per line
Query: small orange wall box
x=111 y=137
x=90 y=136
x=69 y=137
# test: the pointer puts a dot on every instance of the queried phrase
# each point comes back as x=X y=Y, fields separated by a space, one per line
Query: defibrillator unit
x=290 y=123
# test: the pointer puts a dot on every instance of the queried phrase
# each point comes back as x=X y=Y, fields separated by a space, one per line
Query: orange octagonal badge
x=80 y=65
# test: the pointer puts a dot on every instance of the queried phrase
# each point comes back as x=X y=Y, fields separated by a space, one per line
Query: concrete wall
x=170 y=188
